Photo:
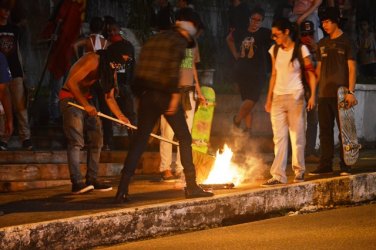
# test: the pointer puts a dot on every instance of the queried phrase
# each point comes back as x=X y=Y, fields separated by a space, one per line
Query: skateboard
x=346 y=117
x=202 y=121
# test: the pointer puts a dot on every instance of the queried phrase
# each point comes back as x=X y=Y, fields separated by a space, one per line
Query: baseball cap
x=307 y=27
x=332 y=14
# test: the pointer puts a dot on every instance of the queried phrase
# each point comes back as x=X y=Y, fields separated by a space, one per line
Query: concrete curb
x=154 y=220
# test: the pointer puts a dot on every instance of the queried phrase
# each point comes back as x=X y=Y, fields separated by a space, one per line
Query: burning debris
x=217 y=186
x=224 y=173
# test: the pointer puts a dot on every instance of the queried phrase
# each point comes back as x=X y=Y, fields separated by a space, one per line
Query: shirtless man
x=94 y=66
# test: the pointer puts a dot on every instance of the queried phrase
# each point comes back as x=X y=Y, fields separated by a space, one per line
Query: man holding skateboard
x=94 y=66
x=336 y=67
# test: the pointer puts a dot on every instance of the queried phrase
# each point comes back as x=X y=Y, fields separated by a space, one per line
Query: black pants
x=328 y=112
x=153 y=104
x=311 y=133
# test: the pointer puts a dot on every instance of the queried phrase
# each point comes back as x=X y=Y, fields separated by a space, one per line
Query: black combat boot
x=122 y=191
x=193 y=190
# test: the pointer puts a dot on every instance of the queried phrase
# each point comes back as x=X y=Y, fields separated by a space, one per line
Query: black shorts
x=250 y=87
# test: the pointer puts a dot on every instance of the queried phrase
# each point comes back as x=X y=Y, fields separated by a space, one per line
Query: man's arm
x=7 y=105
x=200 y=97
x=312 y=83
x=350 y=99
x=269 y=97
x=231 y=45
x=114 y=107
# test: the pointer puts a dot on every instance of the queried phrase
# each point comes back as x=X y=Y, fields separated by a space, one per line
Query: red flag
x=69 y=14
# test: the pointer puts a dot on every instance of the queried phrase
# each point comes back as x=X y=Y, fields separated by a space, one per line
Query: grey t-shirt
x=333 y=55
x=186 y=67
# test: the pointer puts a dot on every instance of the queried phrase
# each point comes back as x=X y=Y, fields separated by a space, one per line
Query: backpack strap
x=275 y=51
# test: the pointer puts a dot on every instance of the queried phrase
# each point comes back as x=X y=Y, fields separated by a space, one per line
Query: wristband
x=351 y=92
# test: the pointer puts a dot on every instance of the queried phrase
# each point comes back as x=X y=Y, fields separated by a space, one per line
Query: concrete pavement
x=53 y=218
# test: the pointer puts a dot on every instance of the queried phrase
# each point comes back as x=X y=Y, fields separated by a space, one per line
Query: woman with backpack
x=285 y=100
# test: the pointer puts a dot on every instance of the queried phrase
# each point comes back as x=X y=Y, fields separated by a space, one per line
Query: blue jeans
x=75 y=122
x=153 y=104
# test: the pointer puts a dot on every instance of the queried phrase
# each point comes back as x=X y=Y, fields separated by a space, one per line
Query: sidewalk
x=55 y=218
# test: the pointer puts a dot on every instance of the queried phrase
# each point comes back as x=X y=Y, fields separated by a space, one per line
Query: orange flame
x=224 y=171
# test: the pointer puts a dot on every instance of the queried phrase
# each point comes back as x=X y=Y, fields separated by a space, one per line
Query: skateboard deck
x=347 y=128
x=202 y=121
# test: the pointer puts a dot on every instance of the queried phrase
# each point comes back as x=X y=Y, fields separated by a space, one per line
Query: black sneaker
x=26 y=144
x=322 y=170
x=272 y=182
x=3 y=146
x=196 y=192
x=100 y=186
x=81 y=188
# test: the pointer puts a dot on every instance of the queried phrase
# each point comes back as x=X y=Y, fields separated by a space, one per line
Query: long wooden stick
x=126 y=124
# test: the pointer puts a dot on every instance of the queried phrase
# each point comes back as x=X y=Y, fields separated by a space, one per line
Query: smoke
x=252 y=164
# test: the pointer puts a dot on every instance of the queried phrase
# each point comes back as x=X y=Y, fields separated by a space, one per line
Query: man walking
x=156 y=85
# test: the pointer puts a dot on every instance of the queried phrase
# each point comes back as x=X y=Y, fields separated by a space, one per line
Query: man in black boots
x=156 y=86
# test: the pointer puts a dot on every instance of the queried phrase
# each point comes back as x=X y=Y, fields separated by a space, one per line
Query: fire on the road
x=224 y=171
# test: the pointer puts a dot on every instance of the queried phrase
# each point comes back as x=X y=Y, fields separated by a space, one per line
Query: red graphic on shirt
x=7 y=43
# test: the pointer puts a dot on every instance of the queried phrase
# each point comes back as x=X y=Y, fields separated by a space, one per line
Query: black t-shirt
x=253 y=49
x=9 y=37
x=125 y=72
x=333 y=55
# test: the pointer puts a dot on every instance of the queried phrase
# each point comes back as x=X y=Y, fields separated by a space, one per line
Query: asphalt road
x=341 y=228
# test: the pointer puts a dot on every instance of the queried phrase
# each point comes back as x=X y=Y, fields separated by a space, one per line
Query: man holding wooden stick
x=94 y=66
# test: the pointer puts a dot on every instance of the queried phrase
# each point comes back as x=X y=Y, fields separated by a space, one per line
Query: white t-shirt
x=288 y=78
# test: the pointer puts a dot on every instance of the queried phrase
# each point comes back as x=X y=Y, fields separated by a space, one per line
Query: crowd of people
x=305 y=54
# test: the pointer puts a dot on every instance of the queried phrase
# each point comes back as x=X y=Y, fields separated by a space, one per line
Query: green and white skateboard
x=202 y=121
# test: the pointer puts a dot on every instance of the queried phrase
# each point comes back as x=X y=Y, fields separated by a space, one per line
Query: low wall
x=365 y=112
x=128 y=224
